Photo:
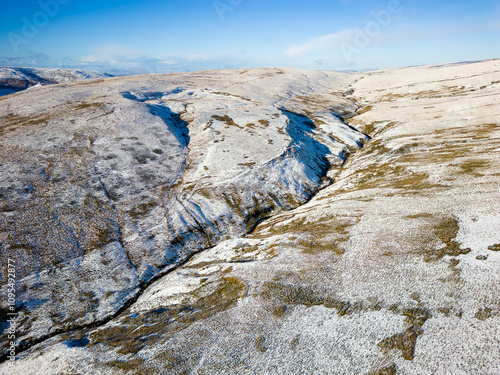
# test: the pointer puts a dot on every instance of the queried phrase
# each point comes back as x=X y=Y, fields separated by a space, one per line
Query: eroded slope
x=108 y=185
x=390 y=269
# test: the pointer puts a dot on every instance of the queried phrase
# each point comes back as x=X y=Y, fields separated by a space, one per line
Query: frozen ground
x=307 y=260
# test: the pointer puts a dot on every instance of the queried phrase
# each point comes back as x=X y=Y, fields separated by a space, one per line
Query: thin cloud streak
x=119 y=60
x=402 y=33
x=325 y=42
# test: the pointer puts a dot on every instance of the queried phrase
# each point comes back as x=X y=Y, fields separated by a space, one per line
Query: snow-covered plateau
x=260 y=221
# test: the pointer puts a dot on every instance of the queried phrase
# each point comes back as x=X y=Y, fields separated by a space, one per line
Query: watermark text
x=11 y=309
x=31 y=25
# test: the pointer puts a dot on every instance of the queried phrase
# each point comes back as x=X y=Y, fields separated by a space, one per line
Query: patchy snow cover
x=390 y=268
x=152 y=169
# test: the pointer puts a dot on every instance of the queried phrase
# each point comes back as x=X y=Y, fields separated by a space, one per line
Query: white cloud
x=384 y=36
x=325 y=42
x=90 y=58
x=29 y=58
x=116 y=59
x=113 y=54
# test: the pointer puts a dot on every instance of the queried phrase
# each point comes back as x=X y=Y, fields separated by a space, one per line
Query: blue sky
x=127 y=36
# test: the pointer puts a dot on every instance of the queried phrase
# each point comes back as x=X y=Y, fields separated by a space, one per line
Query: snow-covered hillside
x=270 y=221
x=17 y=79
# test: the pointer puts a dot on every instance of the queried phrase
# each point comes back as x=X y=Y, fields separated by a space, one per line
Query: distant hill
x=16 y=79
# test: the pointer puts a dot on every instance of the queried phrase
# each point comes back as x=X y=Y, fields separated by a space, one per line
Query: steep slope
x=108 y=185
x=17 y=79
x=391 y=268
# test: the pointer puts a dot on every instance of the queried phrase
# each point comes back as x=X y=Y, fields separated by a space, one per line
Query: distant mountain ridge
x=13 y=79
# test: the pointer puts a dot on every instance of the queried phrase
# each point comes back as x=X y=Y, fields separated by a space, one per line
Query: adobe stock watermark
x=31 y=25
x=472 y=106
x=362 y=38
x=224 y=6
x=11 y=309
